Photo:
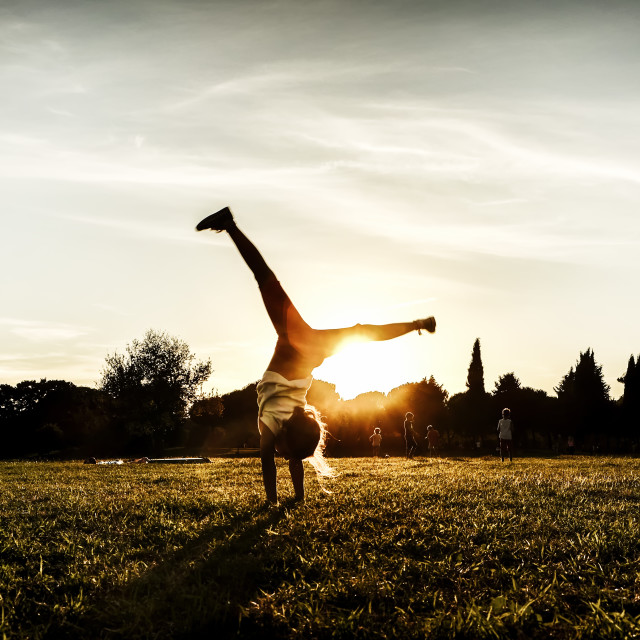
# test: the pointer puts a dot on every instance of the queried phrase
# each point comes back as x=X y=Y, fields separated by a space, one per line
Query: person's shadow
x=199 y=590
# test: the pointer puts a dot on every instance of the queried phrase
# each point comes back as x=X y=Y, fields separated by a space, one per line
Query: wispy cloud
x=111 y=309
x=16 y=366
x=145 y=229
x=41 y=331
x=413 y=303
x=45 y=334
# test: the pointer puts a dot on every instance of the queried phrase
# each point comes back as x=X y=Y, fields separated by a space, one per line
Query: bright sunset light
x=368 y=366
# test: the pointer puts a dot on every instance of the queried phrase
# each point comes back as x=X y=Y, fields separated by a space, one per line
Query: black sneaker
x=217 y=221
x=429 y=324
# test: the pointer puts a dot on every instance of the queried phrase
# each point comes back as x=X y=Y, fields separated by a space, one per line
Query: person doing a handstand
x=287 y=424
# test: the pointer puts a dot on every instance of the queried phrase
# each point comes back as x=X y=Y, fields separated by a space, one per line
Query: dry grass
x=449 y=549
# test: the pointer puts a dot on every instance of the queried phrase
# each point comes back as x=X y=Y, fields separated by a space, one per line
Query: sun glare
x=365 y=366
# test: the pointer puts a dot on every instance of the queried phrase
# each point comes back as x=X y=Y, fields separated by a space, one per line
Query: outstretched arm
x=332 y=339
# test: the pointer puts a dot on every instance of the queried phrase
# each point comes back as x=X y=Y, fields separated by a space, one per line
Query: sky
x=473 y=160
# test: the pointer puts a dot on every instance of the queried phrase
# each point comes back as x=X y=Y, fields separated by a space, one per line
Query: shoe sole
x=213 y=221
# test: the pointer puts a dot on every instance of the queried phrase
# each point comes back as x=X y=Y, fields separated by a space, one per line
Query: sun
x=366 y=366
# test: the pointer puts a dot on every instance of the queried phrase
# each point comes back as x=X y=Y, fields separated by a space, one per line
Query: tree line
x=149 y=402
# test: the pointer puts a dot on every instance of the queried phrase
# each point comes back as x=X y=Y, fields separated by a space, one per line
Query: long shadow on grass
x=198 y=590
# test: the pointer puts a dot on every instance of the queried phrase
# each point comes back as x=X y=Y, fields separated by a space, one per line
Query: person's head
x=506 y=413
x=301 y=433
x=429 y=428
x=303 y=438
x=408 y=415
x=376 y=430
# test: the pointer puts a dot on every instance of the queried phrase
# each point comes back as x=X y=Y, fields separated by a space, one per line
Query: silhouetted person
x=409 y=435
x=376 y=439
x=330 y=443
x=286 y=422
x=505 y=433
x=433 y=438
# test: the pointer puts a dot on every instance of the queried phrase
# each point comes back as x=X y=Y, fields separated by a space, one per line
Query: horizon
x=478 y=163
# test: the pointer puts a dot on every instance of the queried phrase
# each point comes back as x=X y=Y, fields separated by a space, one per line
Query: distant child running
x=505 y=433
x=376 y=439
x=433 y=438
x=286 y=422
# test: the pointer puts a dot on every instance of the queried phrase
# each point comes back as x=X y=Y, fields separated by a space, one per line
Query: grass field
x=464 y=548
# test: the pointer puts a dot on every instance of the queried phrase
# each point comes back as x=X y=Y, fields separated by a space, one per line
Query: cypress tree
x=631 y=397
x=628 y=381
x=475 y=375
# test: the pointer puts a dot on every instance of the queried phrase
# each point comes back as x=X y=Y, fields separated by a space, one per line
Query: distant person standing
x=409 y=435
x=433 y=438
x=505 y=433
x=571 y=445
x=376 y=439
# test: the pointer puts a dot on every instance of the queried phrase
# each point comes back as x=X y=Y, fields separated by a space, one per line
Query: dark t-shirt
x=409 y=433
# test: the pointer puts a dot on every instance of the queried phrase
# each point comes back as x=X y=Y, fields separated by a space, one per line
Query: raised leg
x=284 y=316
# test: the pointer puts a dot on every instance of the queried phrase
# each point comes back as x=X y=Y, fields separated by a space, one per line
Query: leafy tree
x=240 y=417
x=153 y=385
x=39 y=417
x=324 y=397
x=204 y=430
x=508 y=383
x=207 y=409
x=583 y=398
x=428 y=403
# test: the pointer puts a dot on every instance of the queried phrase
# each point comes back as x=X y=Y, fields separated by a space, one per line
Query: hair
x=506 y=413
x=305 y=434
x=408 y=415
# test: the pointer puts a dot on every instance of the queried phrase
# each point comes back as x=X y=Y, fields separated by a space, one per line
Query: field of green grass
x=455 y=548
